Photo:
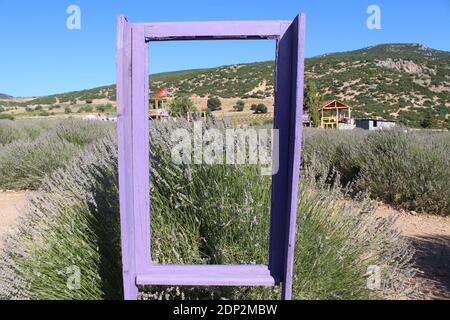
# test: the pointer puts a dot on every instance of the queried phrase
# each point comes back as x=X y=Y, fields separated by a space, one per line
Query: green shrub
x=313 y=102
x=240 y=106
x=86 y=109
x=101 y=109
x=182 y=105
x=67 y=110
x=44 y=114
x=214 y=104
x=429 y=121
x=261 y=109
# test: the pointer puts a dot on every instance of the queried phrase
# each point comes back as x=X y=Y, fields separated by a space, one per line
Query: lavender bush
x=408 y=169
x=35 y=149
x=11 y=131
x=201 y=214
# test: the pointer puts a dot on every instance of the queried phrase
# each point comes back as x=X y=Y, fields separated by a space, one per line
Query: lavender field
x=215 y=214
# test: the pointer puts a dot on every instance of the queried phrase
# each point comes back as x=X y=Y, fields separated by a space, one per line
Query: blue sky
x=40 y=56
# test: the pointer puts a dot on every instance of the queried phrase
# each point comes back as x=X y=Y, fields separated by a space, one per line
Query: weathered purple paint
x=164 y=31
x=295 y=147
x=124 y=130
x=132 y=100
x=288 y=115
x=208 y=275
x=139 y=157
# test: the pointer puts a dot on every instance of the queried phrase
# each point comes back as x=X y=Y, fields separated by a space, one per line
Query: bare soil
x=430 y=237
x=12 y=205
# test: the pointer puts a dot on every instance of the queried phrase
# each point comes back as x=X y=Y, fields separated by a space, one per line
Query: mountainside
x=407 y=82
x=5 y=96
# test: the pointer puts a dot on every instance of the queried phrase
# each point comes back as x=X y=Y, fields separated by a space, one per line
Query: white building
x=375 y=124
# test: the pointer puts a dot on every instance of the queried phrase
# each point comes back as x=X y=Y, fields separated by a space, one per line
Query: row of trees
x=312 y=104
x=257 y=108
x=183 y=105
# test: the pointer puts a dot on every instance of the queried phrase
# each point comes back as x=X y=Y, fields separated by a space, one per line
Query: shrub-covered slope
x=407 y=82
x=5 y=96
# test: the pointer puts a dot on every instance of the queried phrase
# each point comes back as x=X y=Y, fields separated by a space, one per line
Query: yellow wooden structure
x=157 y=103
x=333 y=113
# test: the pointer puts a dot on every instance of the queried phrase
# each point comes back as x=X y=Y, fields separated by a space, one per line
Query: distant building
x=157 y=105
x=160 y=100
x=111 y=117
x=307 y=121
x=336 y=114
x=91 y=118
x=375 y=124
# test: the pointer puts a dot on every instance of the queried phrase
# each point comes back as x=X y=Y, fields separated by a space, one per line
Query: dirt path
x=430 y=237
x=11 y=205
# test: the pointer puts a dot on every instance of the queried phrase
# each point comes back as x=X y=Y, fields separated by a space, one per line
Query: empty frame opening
x=211 y=205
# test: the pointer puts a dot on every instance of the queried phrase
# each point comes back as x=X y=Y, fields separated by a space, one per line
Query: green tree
x=312 y=102
x=261 y=109
x=67 y=110
x=428 y=122
x=214 y=104
x=240 y=106
x=101 y=108
x=182 y=105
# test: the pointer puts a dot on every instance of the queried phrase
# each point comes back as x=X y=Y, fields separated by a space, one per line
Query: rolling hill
x=406 y=82
x=4 y=96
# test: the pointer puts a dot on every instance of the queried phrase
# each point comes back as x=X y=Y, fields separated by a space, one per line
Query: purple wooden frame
x=133 y=142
